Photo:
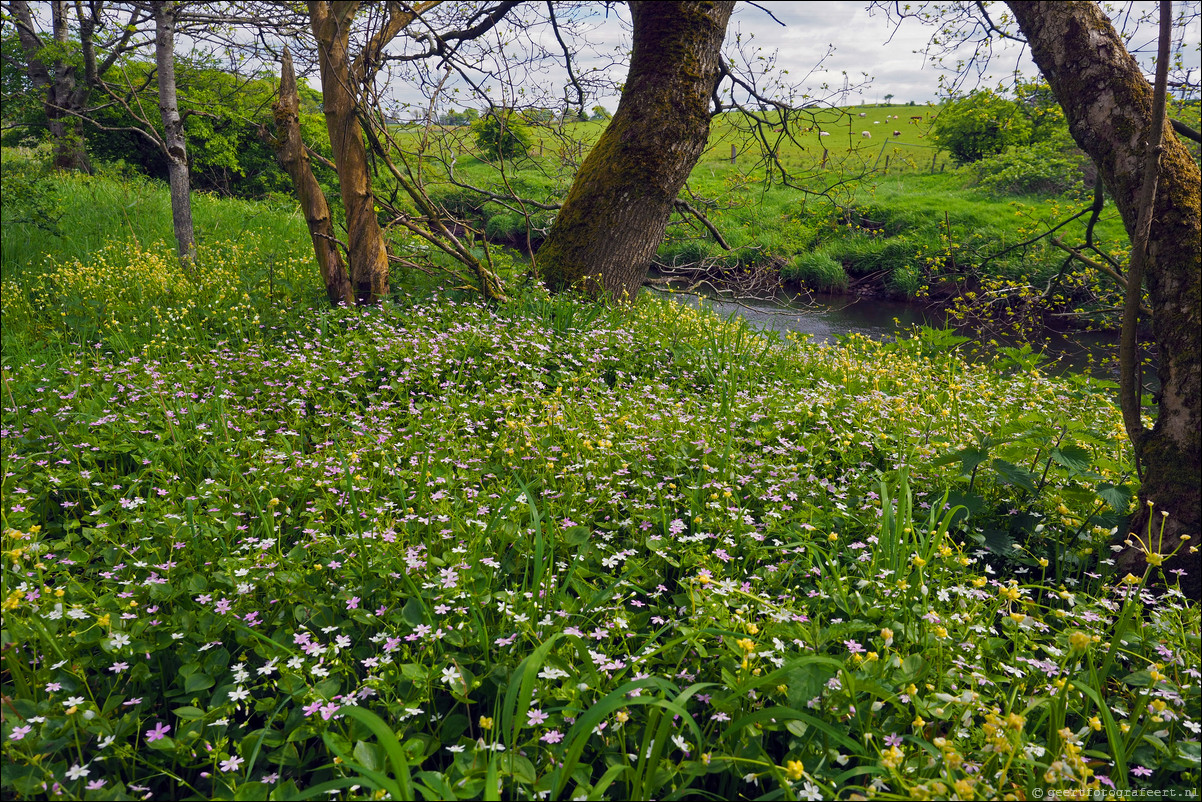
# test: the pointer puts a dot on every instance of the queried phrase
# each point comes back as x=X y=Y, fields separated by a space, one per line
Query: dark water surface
x=1080 y=352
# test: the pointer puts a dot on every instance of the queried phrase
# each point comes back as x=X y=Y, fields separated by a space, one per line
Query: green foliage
x=457 y=118
x=1041 y=168
x=600 y=113
x=979 y=125
x=817 y=271
x=225 y=119
x=502 y=134
x=458 y=551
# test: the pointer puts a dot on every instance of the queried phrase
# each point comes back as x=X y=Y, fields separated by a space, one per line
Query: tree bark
x=1109 y=106
x=292 y=155
x=366 y=251
x=615 y=214
x=62 y=96
x=175 y=142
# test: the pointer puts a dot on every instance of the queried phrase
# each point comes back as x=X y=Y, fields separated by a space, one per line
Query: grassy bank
x=446 y=550
x=890 y=215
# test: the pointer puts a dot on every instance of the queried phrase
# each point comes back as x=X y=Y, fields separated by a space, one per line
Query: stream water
x=1080 y=352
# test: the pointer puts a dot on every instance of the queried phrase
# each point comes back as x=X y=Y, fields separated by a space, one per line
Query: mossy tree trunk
x=615 y=214
x=366 y=252
x=1109 y=106
x=292 y=155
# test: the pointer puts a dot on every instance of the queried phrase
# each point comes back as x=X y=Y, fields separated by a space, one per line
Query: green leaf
x=1014 y=475
x=189 y=713
x=197 y=682
x=1073 y=457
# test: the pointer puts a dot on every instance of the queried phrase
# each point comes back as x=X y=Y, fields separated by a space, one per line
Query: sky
x=880 y=57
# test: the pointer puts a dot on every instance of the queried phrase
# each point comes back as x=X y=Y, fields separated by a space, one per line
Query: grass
x=552 y=549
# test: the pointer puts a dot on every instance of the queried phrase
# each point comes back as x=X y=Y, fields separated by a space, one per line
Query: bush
x=980 y=125
x=1039 y=169
x=817 y=271
x=502 y=134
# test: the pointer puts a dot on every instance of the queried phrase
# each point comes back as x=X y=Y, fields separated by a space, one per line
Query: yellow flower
x=485 y=723
x=795 y=770
x=1079 y=641
x=746 y=644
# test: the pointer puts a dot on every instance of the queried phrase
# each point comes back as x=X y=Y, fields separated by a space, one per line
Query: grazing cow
x=866 y=134
x=916 y=119
x=897 y=133
x=863 y=114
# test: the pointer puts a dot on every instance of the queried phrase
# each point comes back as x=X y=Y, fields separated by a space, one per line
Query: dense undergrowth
x=258 y=548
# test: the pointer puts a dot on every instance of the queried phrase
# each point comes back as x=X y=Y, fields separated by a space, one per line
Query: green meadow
x=258 y=548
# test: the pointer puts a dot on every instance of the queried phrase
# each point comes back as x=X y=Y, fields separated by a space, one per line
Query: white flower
x=450 y=675
x=238 y=694
x=76 y=771
x=118 y=640
x=74 y=701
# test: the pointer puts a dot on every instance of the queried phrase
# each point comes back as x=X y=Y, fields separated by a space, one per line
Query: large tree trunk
x=174 y=140
x=291 y=151
x=615 y=214
x=1109 y=107
x=366 y=251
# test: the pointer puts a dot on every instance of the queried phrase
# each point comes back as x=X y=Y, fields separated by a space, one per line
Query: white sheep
x=863 y=114
x=824 y=133
x=866 y=134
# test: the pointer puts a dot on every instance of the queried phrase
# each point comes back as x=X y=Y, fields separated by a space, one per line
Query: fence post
x=824 y=155
x=734 y=151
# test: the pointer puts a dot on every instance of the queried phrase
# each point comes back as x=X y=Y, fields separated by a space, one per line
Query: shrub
x=1042 y=168
x=501 y=134
x=980 y=125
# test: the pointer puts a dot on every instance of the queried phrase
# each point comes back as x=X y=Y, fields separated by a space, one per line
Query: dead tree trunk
x=292 y=155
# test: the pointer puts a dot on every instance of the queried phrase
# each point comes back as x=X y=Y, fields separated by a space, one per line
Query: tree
x=600 y=113
x=341 y=74
x=174 y=142
x=887 y=99
x=65 y=72
x=502 y=134
x=617 y=209
x=1112 y=116
x=980 y=125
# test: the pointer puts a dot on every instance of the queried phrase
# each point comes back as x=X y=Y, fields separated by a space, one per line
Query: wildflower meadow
x=257 y=548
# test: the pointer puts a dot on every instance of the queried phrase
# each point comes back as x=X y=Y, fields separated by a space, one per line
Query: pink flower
x=232 y=764
x=552 y=737
x=352 y=603
x=19 y=732
x=158 y=733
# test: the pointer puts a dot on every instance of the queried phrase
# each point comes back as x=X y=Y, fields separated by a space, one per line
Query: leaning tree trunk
x=366 y=251
x=1109 y=107
x=616 y=212
x=291 y=151
x=174 y=140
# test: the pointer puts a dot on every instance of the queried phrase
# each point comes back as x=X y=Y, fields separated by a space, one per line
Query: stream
x=1080 y=352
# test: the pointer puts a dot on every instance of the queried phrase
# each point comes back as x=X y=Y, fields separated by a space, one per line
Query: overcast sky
x=861 y=42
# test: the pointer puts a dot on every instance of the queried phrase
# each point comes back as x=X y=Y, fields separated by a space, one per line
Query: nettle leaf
x=1073 y=457
x=1016 y=475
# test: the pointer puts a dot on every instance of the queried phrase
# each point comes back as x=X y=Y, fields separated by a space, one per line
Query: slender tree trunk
x=1109 y=106
x=294 y=158
x=365 y=247
x=174 y=140
x=615 y=214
